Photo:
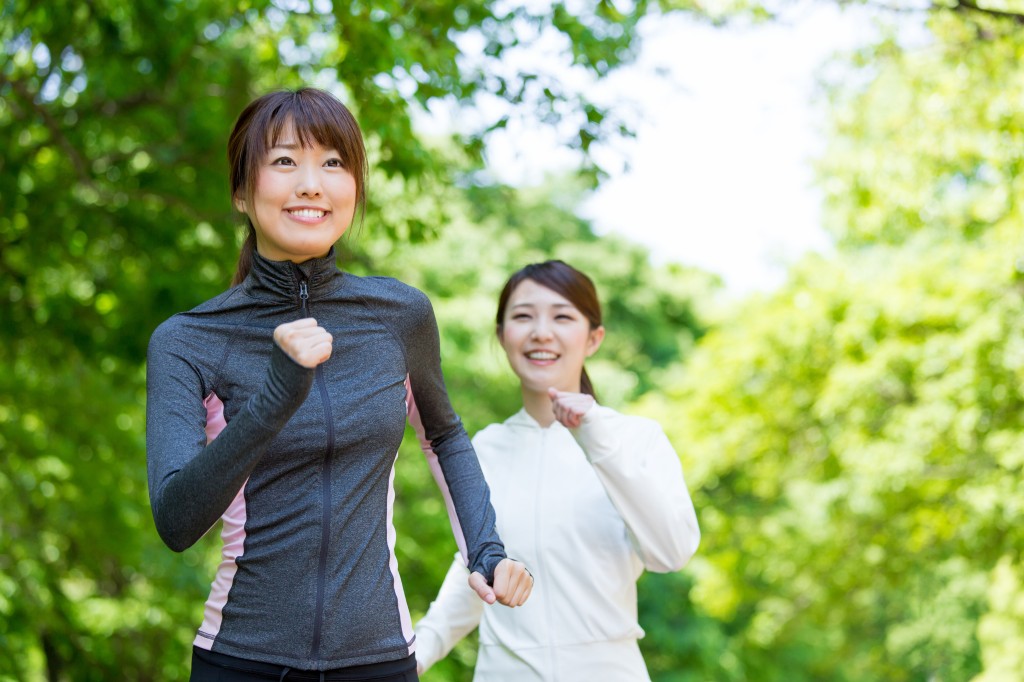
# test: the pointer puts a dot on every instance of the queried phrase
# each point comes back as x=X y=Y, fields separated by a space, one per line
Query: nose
x=541 y=330
x=308 y=184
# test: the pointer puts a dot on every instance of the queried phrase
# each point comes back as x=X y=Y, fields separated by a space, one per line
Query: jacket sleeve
x=191 y=483
x=462 y=479
x=416 y=422
x=452 y=616
x=643 y=477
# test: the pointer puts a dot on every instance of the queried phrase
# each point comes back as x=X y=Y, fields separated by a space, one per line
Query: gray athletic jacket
x=302 y=473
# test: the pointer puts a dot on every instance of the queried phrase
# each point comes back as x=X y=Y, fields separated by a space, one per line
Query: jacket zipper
x=325 y=490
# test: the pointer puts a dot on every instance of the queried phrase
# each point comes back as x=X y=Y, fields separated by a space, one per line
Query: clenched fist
x=304 y=341
x=569 y=408
x=512 y=584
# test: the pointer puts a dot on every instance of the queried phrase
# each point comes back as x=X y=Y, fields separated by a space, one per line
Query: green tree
x=854 y=438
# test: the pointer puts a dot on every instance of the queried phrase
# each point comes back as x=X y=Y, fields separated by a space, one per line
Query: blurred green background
x=853 y=440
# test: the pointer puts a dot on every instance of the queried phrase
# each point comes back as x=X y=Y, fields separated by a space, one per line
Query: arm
x=452 y=616
x=443 y=434
x=512 y=583
x=642 y=475
x=191 y=483
x=413 y=413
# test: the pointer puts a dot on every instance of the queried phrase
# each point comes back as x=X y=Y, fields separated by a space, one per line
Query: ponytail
x=245 y=256
x=586 y=386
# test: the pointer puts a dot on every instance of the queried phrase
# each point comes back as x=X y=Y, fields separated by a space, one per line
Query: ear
x=594 y=340
x=239 y=203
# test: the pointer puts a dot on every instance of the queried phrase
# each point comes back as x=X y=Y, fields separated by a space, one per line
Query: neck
x=538 y=406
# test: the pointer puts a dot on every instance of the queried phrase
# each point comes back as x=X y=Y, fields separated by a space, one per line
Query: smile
x=309 y=213
x=541 y=355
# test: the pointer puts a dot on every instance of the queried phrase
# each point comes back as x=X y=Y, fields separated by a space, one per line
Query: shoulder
x=493 y=433
x=489 y=444
x=227 y=299
x=167 y=332
x=404 y=309
x=625 y=422
x=394 y=301
x=386 y=291
x=501 y=435
x=221 y=305
x=195 y=325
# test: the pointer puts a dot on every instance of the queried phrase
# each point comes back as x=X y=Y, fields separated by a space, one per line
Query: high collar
x=280 y=280
x=522 y=418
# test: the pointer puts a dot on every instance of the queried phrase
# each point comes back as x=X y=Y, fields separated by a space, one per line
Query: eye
x=334 y=163
x=520 y=316
x=283 y=161
x=564 y=316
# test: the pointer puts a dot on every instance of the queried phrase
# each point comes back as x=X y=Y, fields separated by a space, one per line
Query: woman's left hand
x=512 y=584
x=569 y=408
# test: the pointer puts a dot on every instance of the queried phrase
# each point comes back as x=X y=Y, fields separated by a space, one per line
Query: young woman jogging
x=279 y=405
x=587 y=497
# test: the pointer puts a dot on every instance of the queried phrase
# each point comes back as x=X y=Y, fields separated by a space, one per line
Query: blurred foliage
x=853 y=440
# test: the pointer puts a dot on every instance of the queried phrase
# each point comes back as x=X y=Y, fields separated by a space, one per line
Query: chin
x=538 y=386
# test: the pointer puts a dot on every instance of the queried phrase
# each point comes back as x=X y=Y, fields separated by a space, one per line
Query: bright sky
x=728 y=121
x=719 y=175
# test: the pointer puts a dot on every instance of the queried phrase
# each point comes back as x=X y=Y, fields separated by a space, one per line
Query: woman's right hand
x=304 y=341
x=569 y=408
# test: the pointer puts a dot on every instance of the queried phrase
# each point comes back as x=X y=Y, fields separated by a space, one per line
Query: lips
x=541 y=355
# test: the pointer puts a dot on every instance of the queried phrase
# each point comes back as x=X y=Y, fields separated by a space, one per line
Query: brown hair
x=566 y=281
x=318 y=117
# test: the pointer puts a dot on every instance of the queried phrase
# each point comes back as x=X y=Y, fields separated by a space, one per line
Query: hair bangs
x=316 y=120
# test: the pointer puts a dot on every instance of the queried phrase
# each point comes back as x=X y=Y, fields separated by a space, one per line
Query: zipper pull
x=304 y=295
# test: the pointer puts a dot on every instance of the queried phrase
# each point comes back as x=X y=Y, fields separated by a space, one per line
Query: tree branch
x=81 y=168
x=971 y=6
x=80 y=163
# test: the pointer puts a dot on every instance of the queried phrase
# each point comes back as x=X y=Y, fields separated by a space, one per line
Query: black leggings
x=208 y=666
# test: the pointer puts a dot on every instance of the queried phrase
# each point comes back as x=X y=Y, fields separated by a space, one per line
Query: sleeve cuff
x=428 y=646
x=595 y=434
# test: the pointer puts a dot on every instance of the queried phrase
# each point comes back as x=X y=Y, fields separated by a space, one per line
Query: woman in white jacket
x=585 y=496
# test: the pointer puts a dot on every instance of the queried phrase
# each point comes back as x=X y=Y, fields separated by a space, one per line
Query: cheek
x=581 y=344
x=265 y=195
x=345 y=187
x=511 y=341
x=507 y=346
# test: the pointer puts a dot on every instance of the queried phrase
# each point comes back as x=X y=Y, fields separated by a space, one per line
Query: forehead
x=286 y=135
x=530 y=293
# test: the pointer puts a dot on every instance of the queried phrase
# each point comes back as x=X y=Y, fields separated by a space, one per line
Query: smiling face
x=546 y=338
x=303 y=202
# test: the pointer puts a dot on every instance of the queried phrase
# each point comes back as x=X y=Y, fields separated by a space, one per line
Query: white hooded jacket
x=587 y=510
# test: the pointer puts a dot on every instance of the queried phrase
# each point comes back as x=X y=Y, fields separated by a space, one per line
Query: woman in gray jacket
x=279 y=405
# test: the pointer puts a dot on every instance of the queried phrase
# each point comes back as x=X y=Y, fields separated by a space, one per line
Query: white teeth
x=541 y=355
x=308 y=213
